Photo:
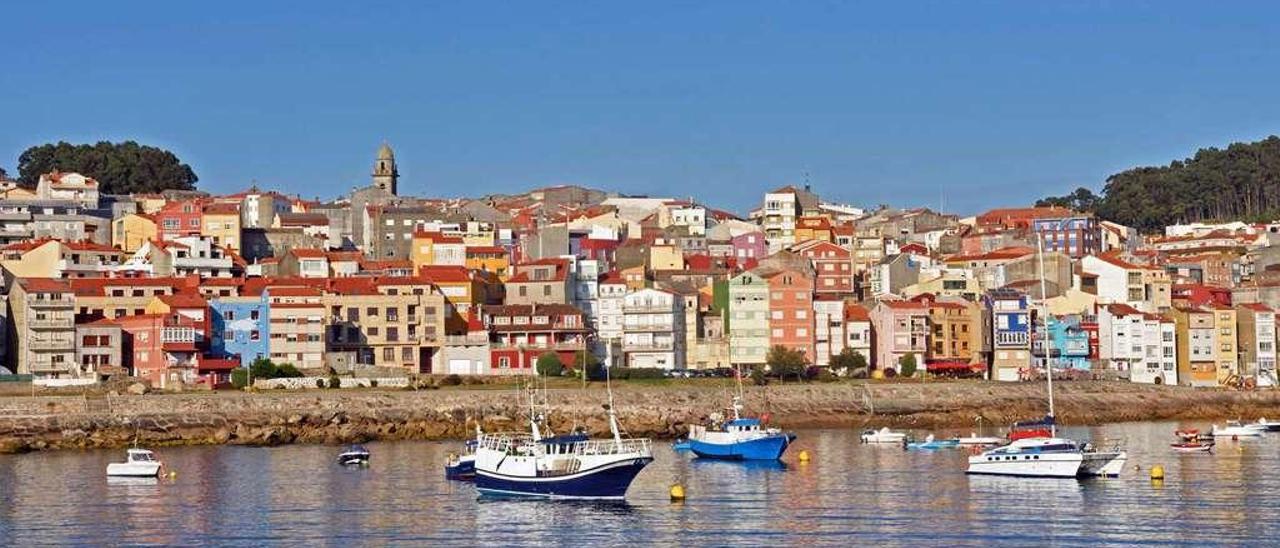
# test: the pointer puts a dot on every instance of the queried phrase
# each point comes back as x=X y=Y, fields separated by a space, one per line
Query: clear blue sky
x=980 y=104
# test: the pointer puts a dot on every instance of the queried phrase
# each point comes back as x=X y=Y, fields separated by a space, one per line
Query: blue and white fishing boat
x=739 y=438
x=560 y=467
x=930 y=443
x=462 y=466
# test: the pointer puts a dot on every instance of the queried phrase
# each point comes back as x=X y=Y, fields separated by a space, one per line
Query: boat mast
x=533 y=414
x=1048 y=343
x=737 y=400
x=613 y=417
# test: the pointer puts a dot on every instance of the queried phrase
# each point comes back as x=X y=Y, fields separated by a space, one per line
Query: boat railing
x=1108 y=444
x=510 y=442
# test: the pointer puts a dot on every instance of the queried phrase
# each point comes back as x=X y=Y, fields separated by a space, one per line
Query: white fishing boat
x=1234 y=429
x=139 y=463
x=884 y=435
x=560 y=467
x=1048 y=456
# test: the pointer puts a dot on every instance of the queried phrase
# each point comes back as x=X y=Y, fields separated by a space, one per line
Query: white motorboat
x=139 y=463
x=1047 y=458
x=975 y=439
x=1036 y=450
x=1269 y=426
x=884 y=435
x=1234 y=429
x=356 y=455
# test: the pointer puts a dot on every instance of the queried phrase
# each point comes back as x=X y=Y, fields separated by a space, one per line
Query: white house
x=1141 y=344
x=610 y=293
x=653 y=332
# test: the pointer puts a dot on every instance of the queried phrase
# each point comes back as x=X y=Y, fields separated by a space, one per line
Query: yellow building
x=1224 y=344
x=489 y=258
x=130 y=231
x=221 y=221
x=813 y=228
x=150 y=204
x=436 y=249
x=665 y=257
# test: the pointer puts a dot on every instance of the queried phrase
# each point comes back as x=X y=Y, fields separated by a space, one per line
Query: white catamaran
x=1051 y=456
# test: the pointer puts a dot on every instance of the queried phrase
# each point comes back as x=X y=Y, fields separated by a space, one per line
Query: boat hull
x=1049 y=465
x=604 y=482
x=133 y=470
x=462 y=470
x=765 y=448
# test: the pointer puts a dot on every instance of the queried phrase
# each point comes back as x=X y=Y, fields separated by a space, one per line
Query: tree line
x=1240 y=182
x=119 y=168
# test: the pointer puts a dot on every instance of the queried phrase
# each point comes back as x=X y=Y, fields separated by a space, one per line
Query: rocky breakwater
x=272 y=418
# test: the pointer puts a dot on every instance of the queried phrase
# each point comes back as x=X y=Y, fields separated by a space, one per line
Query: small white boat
x=884 y=435
x=356 y=455
x=974 y=439
x=1269 y=426
x=139 y=463
x=1192 y=446
x=1234 y=429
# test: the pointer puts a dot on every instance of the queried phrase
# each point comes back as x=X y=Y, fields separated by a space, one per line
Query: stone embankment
x=280 y=417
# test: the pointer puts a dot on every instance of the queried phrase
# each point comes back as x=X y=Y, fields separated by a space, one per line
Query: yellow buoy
x=804 y=456
x=677 y=492
x=1157 y=472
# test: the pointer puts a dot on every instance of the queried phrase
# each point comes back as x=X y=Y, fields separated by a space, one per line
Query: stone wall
x=342 y=416
x=300 y=383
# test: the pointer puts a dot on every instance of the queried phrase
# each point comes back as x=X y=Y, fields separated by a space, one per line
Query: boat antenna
x=738 y=399
x=613 y=417
x=1048 y=343
x=533 y=412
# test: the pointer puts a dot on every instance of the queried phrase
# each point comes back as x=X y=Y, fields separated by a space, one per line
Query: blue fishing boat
x=462 y=467
x=560 y=467
x=739 y=439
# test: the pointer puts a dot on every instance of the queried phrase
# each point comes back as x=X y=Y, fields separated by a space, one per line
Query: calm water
x=848 y=494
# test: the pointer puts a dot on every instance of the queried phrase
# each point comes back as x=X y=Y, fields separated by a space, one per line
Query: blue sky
x=969 y=104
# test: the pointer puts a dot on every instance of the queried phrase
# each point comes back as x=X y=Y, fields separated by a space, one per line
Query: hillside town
x=182 y=288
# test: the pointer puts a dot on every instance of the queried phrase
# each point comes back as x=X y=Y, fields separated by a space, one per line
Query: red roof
x=486 y=249
x=1002 y=254
x=437 y=237
x=184 y=300
x=44 y=285
x=905 y=305
x=445 y=273
x=222 y=209
x=1256 y=307
x=1120 y=309
x=854 y=312
x=307 y=253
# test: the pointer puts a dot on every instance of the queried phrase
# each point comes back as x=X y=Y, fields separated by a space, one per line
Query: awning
x=953 y=365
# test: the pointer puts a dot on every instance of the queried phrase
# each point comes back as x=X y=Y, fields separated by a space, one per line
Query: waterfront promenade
x=659 y=410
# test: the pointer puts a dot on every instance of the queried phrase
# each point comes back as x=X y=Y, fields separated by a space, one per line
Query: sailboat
x=1044 y=454
x=560 y=467
x=739 y=438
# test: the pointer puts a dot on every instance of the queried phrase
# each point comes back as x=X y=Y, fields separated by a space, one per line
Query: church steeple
x=385 y=174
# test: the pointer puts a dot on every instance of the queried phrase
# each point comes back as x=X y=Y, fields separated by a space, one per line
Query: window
x=802 y=314
x=802 y=332
x=353 y=314
x=524 y=291
x=373 y=332
x=371 y=311
x=393 y=334
x=546 y=290
x=229 y=315
x=777 y=333
x=253 y=314
x=504 y=362
x=228 y=335
x=775 y=314
x=255 y=335
x=406 y=354
x=194 y=223
x=388 y=354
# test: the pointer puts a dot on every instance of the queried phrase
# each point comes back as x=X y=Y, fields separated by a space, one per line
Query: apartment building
x=653 y=329
x=42 y=343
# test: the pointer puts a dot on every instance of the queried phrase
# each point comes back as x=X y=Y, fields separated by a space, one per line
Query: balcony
x=57 y=344
x=649 y=328
x=648 y=309
x=648 y=347
x=466 y=340
x=565 y=345
x=38 y=301
x=49 y=367
x=50 y=323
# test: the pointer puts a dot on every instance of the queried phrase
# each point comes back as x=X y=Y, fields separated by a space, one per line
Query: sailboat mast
x=1048 y=342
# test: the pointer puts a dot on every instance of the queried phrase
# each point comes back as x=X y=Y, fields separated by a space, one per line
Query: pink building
x=901 y=328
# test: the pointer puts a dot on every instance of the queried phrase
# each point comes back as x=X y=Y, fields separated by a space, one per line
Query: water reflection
x=848 y=493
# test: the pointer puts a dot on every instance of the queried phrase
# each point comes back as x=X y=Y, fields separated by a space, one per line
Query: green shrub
x=549 y=365
x=451 y=380
x=319 y=383
x=908 y=365
x=373 y=383
x=240 y=377
x=334 y=382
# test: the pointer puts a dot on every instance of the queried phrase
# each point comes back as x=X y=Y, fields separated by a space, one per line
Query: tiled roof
x=305 y=253
x=44 y=285
x=445 y=273
x=855 y=312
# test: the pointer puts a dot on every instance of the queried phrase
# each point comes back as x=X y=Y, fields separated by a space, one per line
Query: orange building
x=791 y=310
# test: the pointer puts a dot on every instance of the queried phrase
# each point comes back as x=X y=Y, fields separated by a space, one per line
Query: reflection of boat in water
x=560 y=467
x=132 y=481
x=139 y=463
x=883 y=435
x=749 y=465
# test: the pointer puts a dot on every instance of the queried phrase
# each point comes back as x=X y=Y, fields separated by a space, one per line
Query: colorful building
x=791 y=309
x=240 y=328
x=221 y=222
x=901 y=328
x=1010 y=328
x=748 y=323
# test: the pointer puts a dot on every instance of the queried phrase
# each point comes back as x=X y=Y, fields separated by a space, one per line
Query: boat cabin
x=742 y=425
x=141 y=455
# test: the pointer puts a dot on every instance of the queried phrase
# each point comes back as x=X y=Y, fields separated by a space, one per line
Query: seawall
x=331 y=416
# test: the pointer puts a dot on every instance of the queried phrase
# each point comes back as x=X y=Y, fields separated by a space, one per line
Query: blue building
x=1070 y=344
x=1010 y=315
x=240 y=328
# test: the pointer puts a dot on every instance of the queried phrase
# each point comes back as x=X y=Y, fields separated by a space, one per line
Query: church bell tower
x=385 y=174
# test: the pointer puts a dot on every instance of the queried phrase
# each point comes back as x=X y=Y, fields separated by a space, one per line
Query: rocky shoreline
x=333 y=417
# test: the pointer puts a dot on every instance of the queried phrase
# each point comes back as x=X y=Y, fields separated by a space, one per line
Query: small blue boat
x=680 y=445
x=738 y=439
x=930 y=444
x=462 y=467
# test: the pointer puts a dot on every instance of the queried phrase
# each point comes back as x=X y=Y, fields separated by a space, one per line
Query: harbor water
x=847 y=494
